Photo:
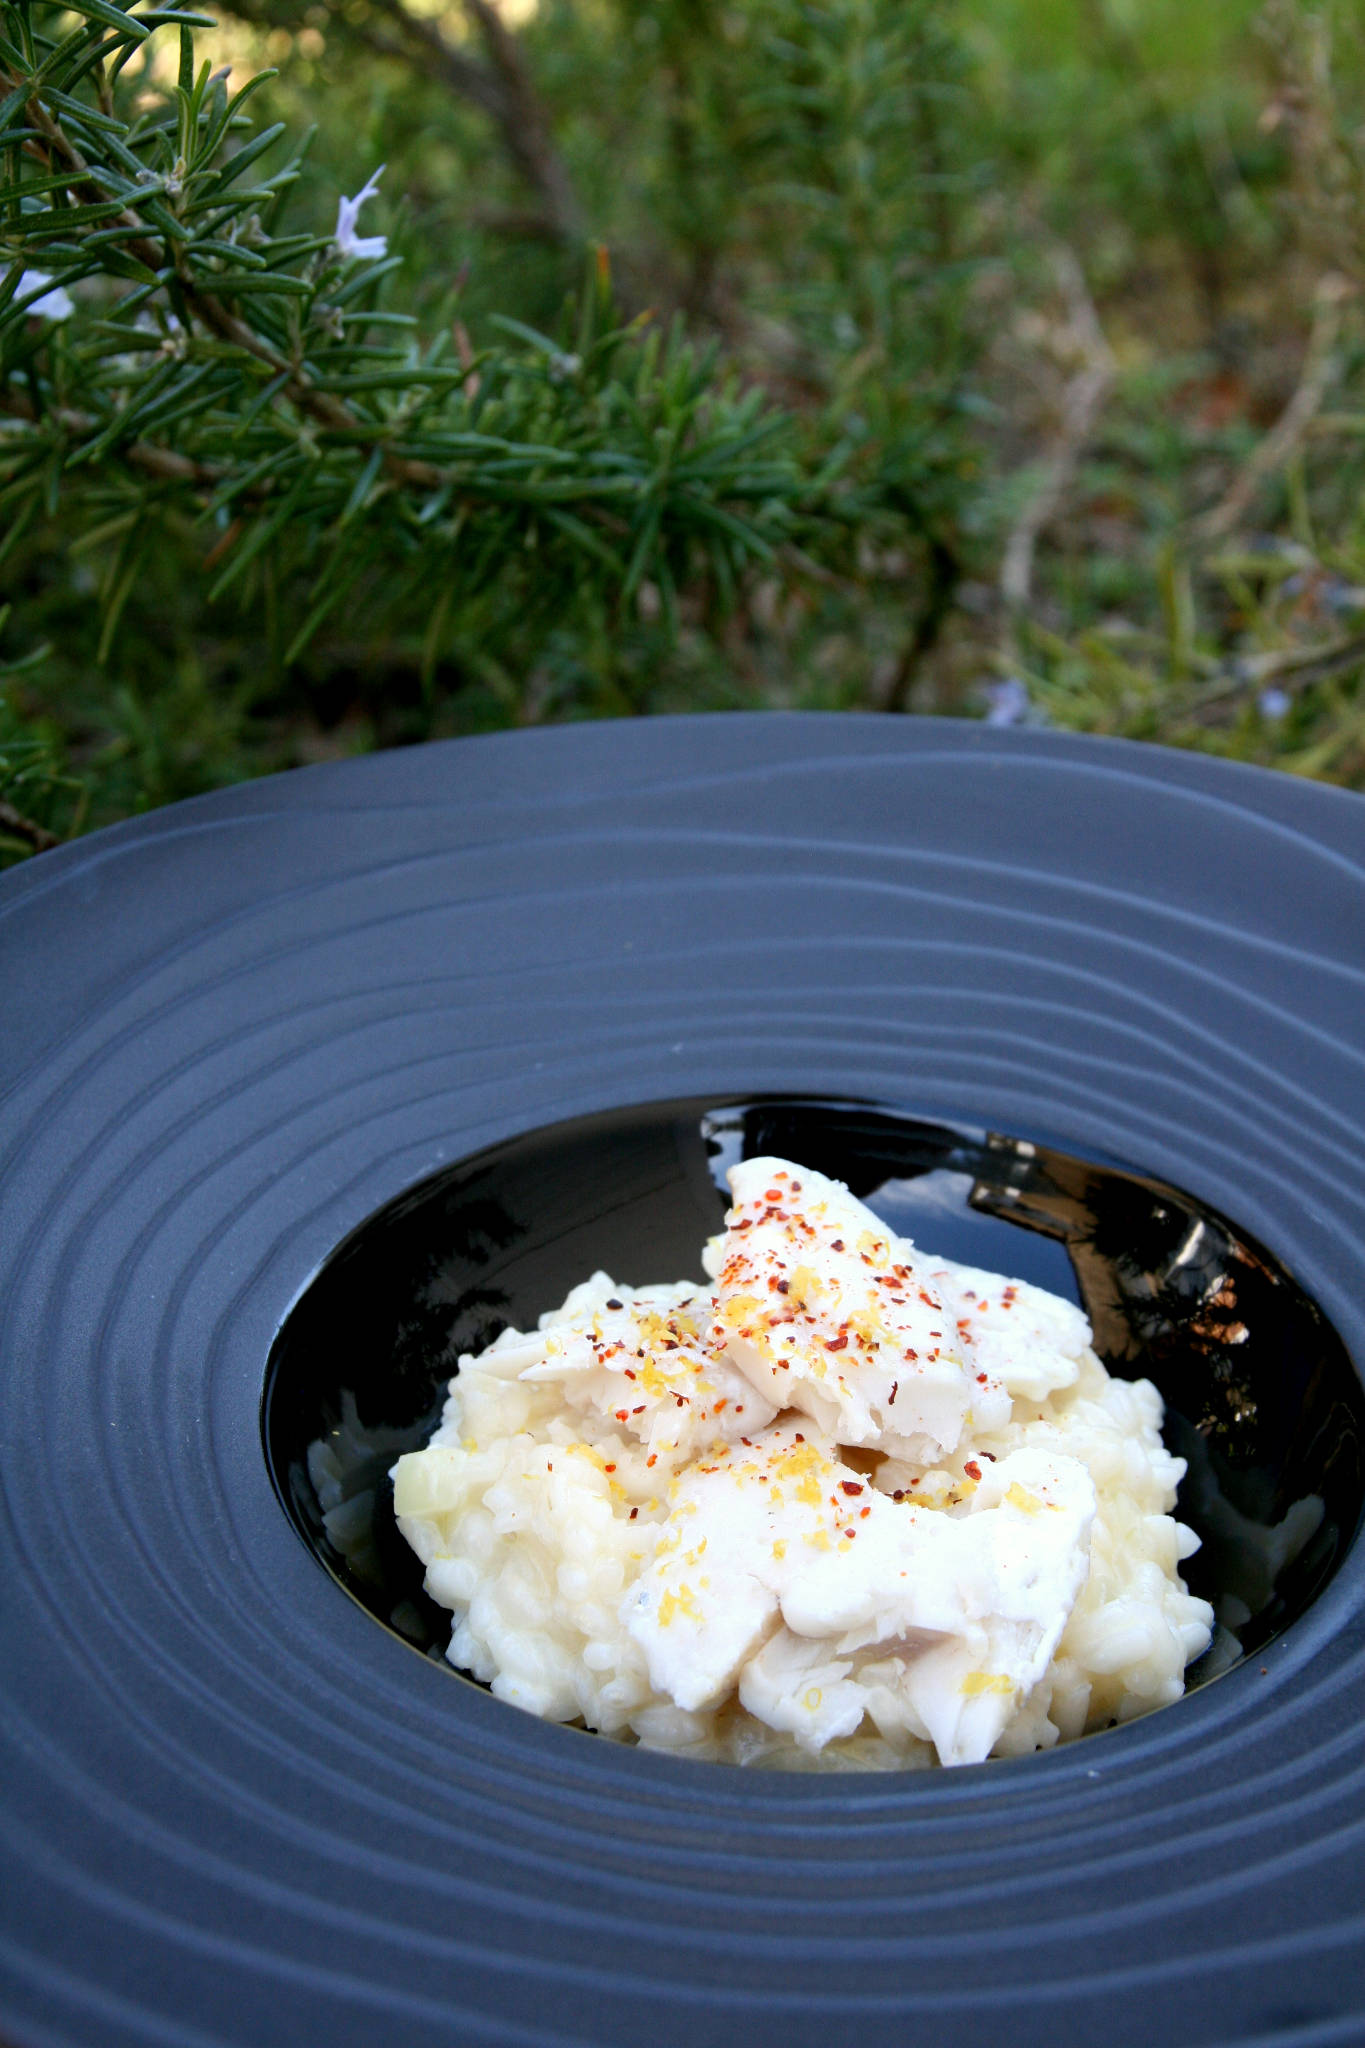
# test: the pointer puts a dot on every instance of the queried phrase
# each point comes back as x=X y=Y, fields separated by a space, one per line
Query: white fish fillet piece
x=778 y=1544
x=825 y=1311
x=1030 y=1340
x=642 y=1358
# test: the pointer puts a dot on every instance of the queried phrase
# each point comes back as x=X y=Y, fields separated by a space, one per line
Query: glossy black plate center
x=1261 y=1397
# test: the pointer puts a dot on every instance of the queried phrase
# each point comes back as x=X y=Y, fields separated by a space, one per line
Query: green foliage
x=269 y=495
x=1206 y=580
x=245 y=378
x=226 y=413
x=859 y=171
x=38 y=803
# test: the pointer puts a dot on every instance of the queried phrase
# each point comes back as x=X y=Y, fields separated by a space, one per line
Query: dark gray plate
x=235 y=1810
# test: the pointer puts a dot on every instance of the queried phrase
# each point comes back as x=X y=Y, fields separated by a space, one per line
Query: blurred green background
x=1068 y=294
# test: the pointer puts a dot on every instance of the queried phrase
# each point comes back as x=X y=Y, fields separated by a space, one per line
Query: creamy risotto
x=848 y=1505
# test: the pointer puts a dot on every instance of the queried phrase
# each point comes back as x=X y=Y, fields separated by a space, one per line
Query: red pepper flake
x=839 y=1343
x=621 y=1415
x=863 y=1513
x=849 y=1486
x=772 y=1194
x=629 y=1374
x=633 y=1513
x=653 y=1458
x=608 y=1468
x=972 y=1469
x=837 y=1245
x=719 y=1405
x=850 y=1532
x=744 y=1439
x=799 y=1438
x=981 y=1379
x=638 y=1411
x=783 y=1286
x=548 y=1466
x=796 y=1186
x=891 y=1397
x=614 y=1303
x=898 y=1494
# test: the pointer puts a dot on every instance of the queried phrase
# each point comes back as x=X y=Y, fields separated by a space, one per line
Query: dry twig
x=1279 y=445
x=37 y=836
x=1084 y=399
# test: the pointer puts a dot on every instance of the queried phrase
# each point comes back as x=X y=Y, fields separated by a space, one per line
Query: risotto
x=847 y=1506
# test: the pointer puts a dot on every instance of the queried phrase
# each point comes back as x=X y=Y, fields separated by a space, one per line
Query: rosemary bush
x=224 y=373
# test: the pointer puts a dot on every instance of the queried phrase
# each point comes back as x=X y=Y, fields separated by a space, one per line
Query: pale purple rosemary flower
x=348 y=243
x=1007 y=702
x=1275 y=703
